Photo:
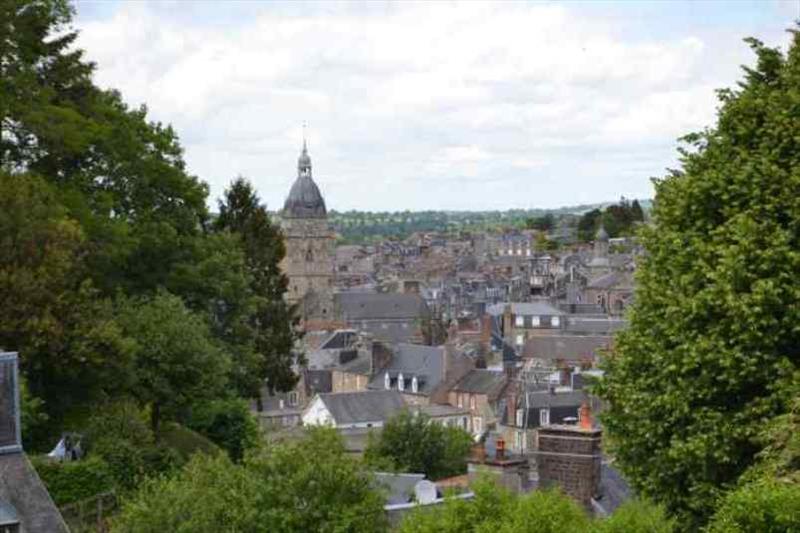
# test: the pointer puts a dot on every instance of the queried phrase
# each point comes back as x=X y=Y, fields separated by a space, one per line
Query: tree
x=228 y=423
x=273 y=320
x=588 y=224
x=307 y=485
x=767 y=506
x=496 y=509
x=71 y=350
x=713 y=332
x=543 y=223
x=413 y=443
x=177 y=362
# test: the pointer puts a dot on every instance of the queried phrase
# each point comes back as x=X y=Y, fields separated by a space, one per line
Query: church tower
x=309 y=261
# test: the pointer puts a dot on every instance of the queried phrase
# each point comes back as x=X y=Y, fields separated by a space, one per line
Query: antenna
x=305 y=125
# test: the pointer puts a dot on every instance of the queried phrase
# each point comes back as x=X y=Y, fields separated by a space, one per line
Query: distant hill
x=357 y=227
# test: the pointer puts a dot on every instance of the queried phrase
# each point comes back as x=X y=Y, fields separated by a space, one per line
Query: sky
x=430 y=105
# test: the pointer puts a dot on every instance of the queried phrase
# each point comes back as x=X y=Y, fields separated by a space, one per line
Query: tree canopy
x=712 y=343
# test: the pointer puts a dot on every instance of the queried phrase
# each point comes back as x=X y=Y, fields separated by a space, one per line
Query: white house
x=344 y=410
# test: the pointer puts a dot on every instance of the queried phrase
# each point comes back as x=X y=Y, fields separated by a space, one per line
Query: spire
x=304 y=161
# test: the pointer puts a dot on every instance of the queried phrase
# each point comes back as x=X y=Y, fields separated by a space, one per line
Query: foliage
x=73 y=481
x=71 y=350
x=543 y=223
x=495 y=509
x=32 y=417
x=768 y=507
x=273 y=323
x=618 y=220
x=177 y=362
x=413 y=443
x=228 y=423
x=120 y=435
x=300 y=486
x=209 y=494
x=714 y=329
x=636 y=516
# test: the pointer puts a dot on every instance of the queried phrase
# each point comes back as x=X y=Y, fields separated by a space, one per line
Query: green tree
x=588 y=224
x=713 y=332
x=71 y=350
x=413 y=443
x=228 y=423
x=273 y=321
x=177 y=362
x=543 y=223
x=767 y=506
x=306 y=485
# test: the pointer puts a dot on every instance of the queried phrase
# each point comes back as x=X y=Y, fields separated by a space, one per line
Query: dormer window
x=401 y=385
x=520 y=321
x=387 y=381
x=414 y=384
x=535 y=321
x=555 y=321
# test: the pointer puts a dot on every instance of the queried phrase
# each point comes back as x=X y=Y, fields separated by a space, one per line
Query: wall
x=348 y=382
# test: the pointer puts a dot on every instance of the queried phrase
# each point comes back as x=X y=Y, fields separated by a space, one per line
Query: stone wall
x=570 y=458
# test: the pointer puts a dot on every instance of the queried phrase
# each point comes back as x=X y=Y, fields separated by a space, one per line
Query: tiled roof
x=568 y=347
x=377 y=306
x=414 y=360
x=489 y=382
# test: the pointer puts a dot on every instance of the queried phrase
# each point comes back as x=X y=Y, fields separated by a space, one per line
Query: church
x=310 y=245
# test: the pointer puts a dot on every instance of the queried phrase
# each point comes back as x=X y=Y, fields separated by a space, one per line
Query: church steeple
x=304 y=162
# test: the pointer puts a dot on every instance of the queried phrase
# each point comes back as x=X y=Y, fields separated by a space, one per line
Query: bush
x=636 y=516
x=74 y=481
x=228 y=423
x=412 y=443
x=765 y=507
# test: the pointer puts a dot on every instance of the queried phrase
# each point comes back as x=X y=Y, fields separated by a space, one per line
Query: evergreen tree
x=274 y=321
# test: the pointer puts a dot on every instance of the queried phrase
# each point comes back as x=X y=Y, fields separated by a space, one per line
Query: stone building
x=310 y=245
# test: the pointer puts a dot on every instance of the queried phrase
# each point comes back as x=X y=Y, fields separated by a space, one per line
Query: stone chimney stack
x=570 y=458
x=380 y=357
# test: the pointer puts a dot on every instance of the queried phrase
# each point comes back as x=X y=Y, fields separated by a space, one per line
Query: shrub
x=228 y=423
x=73 y=481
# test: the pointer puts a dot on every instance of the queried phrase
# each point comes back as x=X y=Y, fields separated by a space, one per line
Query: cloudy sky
x=430 y=105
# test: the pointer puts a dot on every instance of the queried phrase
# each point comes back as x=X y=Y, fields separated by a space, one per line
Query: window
x=477 y=425
x=520 y=417
x=544 y=417
x=520 y=339
x=535 y=321
x=472 y=402
x=519 y=441
x=414 y=384
x=460 y=398
x=387 y=381
x=555 y=321
x=401 y=383
x=464 y=423
x=520 y=321
x=292 y=398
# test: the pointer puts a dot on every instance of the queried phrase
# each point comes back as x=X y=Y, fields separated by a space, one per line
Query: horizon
x=461 y=117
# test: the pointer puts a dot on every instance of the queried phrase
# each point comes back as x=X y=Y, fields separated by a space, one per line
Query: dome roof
x=304 y=200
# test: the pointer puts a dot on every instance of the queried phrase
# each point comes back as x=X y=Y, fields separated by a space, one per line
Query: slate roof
x=359 y=365
x=600 y=326
x=567 y=347
x=425 y=362
x=435 y=410
x=363 y=406
x=399 y=488
x=539 y=399
x=614 y=490
x=21 y=487
x=526 y=308
x=615 y=280
x=478 y=381
x=378 y=306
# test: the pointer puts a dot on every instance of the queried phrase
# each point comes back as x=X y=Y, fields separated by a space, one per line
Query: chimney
x=585 y=416
x=380 y=357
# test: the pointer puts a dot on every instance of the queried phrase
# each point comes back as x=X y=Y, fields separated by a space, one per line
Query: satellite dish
x=425 y=492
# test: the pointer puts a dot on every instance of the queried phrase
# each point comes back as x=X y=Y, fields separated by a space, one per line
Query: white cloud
x=526 y=104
